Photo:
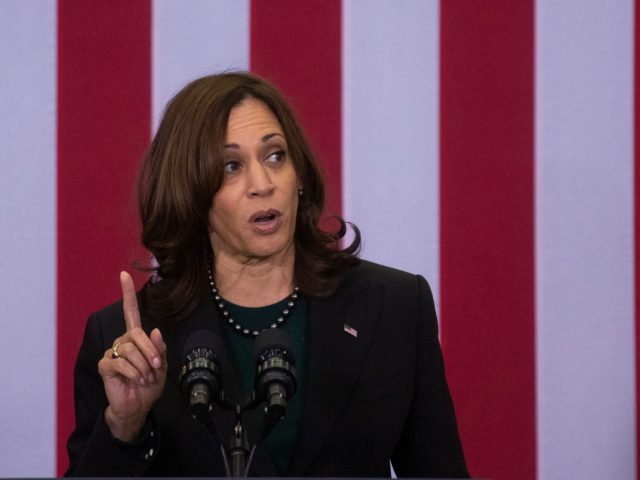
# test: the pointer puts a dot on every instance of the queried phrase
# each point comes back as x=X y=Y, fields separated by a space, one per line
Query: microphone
x=200 y=381
x=275 y=371
x=200 y=374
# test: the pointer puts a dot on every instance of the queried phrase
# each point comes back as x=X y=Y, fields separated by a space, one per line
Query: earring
x=300 y=192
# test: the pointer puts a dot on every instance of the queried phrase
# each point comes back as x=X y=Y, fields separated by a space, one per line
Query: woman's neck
x=254 y=282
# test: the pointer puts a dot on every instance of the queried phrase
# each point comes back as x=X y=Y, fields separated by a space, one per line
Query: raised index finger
x=129 y=302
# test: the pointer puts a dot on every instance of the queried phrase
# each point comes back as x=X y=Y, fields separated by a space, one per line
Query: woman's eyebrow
x=264 y=139
x=269 y=136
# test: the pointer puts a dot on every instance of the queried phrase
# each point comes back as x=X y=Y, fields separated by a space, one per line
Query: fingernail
x=151 y=378
x=156 y=362
x=141 y=381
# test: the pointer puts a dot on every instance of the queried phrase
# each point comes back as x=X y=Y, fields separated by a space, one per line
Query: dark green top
x=282 y=439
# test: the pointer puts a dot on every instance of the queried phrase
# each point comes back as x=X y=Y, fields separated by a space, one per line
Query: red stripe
x=104 y=105
x=636 y=96
x=487 y=230
x=297 y=46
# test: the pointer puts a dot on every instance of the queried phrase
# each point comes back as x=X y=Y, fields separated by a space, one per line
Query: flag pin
x=351 y=331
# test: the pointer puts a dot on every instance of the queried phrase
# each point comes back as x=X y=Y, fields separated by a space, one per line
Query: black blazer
x=369 y=399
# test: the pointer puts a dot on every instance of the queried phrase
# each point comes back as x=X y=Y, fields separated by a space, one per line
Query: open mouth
x=265 y=221
x=264 y=218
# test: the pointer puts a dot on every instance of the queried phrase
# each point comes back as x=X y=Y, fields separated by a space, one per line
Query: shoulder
x=396 y=284
x=112 y=316
x=110 y=312
x=106 y=324
x=376 y=274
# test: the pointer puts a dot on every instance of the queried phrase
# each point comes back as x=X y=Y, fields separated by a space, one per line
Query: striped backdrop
x=486 y=144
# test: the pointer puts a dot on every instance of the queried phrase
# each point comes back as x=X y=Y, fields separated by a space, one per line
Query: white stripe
x=193 y=38
x=584 y=237
x=390 y=131
x=28 y=249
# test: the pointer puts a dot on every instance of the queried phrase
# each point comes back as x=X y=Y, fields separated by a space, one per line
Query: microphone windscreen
x=273 y=339
x=200 y=340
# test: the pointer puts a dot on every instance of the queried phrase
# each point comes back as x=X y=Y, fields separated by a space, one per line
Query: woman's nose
x=260 y=183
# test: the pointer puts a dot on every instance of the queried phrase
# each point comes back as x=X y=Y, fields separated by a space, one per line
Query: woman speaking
x=230 y=197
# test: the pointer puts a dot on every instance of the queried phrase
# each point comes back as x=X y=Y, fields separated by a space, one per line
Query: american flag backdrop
x=485 y=144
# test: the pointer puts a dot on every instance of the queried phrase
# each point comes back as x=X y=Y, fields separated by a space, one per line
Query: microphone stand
x=238 y=450
x=203 y=415
x=239 y=446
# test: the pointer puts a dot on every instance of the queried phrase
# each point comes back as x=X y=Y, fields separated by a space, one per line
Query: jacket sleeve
x=429 y=445
x=93 y=451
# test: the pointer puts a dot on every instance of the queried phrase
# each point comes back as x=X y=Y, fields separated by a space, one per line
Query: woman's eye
x=276 y=157
x=231 y=166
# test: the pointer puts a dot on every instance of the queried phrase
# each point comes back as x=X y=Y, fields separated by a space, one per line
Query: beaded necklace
x=241 y=329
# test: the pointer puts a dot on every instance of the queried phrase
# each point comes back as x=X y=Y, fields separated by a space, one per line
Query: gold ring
x=114 y=352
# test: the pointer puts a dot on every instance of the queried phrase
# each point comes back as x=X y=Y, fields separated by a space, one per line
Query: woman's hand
x=133 y=370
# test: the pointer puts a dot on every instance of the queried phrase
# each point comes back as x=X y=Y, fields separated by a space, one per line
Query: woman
x=230 y=197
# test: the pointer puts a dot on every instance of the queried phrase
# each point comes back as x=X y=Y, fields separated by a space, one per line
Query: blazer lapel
x=341 y=329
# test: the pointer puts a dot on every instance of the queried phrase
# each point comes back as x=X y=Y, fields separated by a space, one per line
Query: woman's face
x=253 y=216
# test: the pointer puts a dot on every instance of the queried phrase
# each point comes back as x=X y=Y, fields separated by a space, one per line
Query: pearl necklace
x=241 y=329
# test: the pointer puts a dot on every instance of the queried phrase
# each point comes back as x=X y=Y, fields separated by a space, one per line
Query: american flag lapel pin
x=351 y=331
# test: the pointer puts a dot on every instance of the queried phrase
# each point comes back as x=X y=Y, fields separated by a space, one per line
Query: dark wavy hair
x=183 y=169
